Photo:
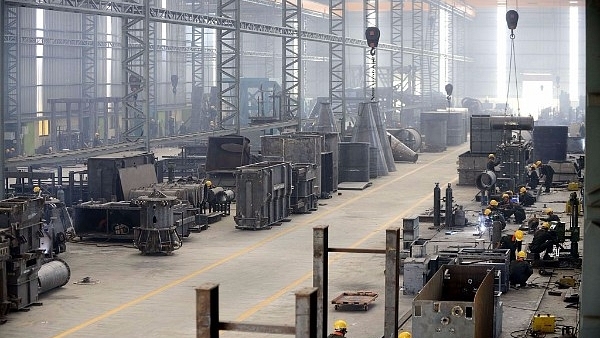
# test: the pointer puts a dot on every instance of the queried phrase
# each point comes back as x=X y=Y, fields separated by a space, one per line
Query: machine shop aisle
x=257 y=271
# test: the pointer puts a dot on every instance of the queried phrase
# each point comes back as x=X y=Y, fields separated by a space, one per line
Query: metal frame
x=371 y=16
x=337 y=61
x=292 y=68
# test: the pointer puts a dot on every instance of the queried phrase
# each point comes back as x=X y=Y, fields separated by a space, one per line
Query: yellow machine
x=543 y=323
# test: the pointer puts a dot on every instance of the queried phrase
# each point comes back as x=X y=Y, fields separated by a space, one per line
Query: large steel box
x=263 y=194
x=227 y=152
x=416 y=271
x=458 y=301
x=296 y=148
x=498 y=259
x=111 y=177
x=470 y=165
x=410 y=231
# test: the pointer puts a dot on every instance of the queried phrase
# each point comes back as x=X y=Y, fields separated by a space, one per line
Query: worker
x=206 y=204
x=526 y=199
x=546 y=173
x=533 y=179
x=509 y=208
x=496 y=214
x=492 y=163
x=405 y=334
x=550 y=216
x=339 y=329
x=511 y=242
x=520 y=270
x=543 y=241
x=37 y=191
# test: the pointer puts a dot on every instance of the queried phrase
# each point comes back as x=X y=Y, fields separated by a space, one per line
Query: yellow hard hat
x=208 y=183
x=521 y=254
x=538 y=163
x=546 y=225
x=548 y=211
x=505 y=196
x=487 y=212
x=523 y=190
x=491 y=156
x=405 y=335
x=36 y=189
x=340 y=325
x=494 y=203
x=519 y=235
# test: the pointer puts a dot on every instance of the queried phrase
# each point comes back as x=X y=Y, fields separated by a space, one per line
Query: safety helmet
x=36 y=189
x=208 y=183
x=521 y=254
x=538 y=163
x=492 y=156
x=523 y=190
x=519 y=235
x=340 y=325
x=405 y=335
x=546 y=225
x=548 y=211
x=505 y=196
x=494 y=203
x=487 y=212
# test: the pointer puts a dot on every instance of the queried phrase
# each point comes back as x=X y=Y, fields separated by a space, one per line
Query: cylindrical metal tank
x=511 y=122
x=53 y=274
x=434 y=130
x=550 y=143
x=409 y=136
x=354 y=162
x=456 y=133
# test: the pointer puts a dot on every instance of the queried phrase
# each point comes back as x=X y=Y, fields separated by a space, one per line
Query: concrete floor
x=259 y=271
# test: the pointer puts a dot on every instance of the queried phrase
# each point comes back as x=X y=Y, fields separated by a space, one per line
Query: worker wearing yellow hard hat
x=404 y=334
x=526 y=199
x=340 y=327
x=512 y=242
x=520 y=270
x=544 y=240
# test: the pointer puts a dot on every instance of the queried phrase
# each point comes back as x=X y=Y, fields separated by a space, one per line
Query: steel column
x=371 y=20
x=590 y=293
x=337 y=62
x=2 y=103
x=11 y=55
x=207 y=311
x=392 y=282
x=292 y=61
x=399 y=80
x=320 y=275
x=228 y=64
x=197 y=66
x=88 y=58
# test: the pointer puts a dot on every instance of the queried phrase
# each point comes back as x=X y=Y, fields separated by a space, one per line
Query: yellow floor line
x=248 y=249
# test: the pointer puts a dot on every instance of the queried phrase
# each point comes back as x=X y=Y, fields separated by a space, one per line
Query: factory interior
x=317 y=169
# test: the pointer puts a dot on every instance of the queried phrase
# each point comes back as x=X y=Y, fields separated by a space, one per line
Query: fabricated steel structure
x=157 y=231
x=457 y=300
x=263 y=194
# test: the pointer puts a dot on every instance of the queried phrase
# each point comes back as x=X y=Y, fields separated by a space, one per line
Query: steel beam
x=228 y=65
x=399 y=78
x=337 y=62
x=88 y=57
x=371 y=19
x=292 y=61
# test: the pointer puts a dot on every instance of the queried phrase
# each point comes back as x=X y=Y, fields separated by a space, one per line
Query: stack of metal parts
x=497 y=259
x=296 y=148
x=157 y=232
x=303 y=199
x=21 y=224
x=263 y=194
x=458 y=301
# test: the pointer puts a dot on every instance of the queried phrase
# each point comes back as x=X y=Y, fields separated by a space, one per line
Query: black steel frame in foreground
x=321 y=251
x=208 y=324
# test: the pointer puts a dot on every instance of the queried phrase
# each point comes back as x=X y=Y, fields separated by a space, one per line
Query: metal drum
x=53 y=274
x=157 y=230
x=434 y=130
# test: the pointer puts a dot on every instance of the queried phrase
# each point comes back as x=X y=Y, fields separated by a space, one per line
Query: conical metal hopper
x=325 y=122
x=366 y=131
x=383 y=138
